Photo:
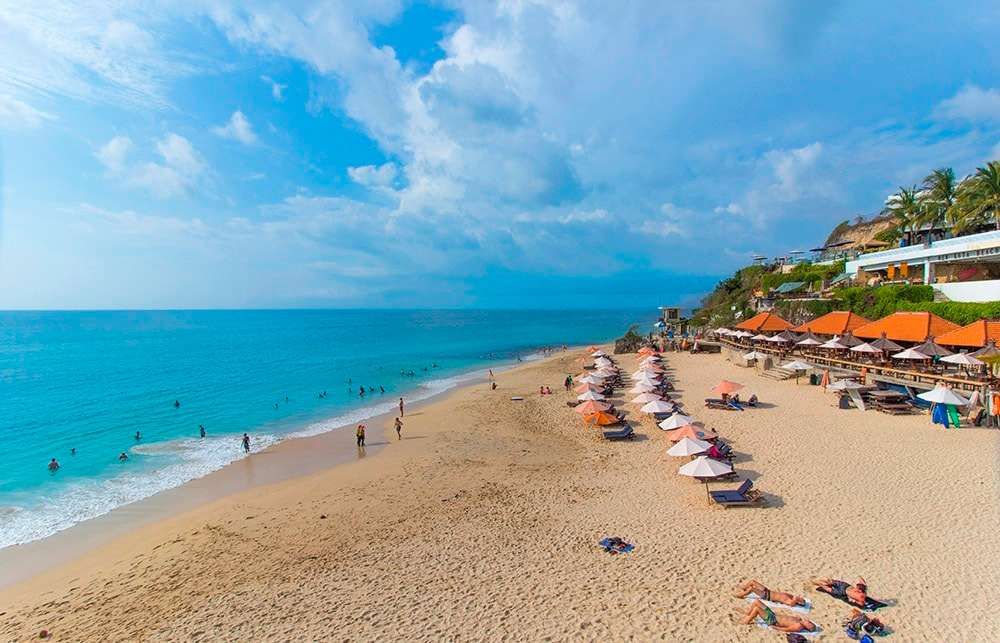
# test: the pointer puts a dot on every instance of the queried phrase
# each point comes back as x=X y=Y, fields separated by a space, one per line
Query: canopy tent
x=725 y=387
x=676 y=421
x=590 y=395
x=591 y=407
x=688 y=447
x=643 y=398
x=910 y=353
x=943 y=395
x=658 y=406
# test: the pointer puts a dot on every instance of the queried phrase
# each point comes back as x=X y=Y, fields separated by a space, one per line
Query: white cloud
x=277 y=89
x=732 y=208
x=16 y=114
x=791 y=166
x=971 y=103
x=114 y=154
x=238 y=129
x=379 y=176
x=584 y=216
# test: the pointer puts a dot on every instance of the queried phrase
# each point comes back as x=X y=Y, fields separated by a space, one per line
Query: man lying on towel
x=746 y=588
x=856 y=594
x=780 y=622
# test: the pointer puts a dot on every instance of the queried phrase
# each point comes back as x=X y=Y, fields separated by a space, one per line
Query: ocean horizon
x=89 y=380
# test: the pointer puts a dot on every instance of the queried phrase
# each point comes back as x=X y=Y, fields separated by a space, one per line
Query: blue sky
x=461 y=153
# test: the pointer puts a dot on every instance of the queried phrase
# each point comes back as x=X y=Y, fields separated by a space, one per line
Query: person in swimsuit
x=399 y=429
x=856 y=594
x=780 y=622
x=53 y=465
x=246 y=443
x=751 y=586
x=360 y=434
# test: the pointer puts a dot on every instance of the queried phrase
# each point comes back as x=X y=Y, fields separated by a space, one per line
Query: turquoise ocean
x=89 y=380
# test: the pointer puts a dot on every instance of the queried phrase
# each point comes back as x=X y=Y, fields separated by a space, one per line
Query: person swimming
x=177 y=404
x=123 y=457
x=53 y=465
x=138 y=436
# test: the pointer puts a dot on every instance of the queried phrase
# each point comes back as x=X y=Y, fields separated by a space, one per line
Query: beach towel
x=615 y=545
x=939 y=415
x=956 y=420
x=801 y=609
x=870 y=603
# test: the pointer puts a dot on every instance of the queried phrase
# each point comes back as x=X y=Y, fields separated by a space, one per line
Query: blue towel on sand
x=616 y=548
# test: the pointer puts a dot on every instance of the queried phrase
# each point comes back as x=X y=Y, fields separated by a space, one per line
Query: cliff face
x=860 y=233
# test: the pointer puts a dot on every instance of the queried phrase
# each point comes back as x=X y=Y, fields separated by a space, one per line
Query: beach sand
x=482 y=524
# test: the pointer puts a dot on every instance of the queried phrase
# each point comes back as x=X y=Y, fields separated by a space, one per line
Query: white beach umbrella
x=721 y=331
x=598 y=353
x=865 y=348
x=642 y=398
x=657 y=406
x=676 y=421
x=963 y=359
x=602 y=361
x=777 y=339
x=606 y=372
x=834 y=344
x=688 y=446
x=943 y=395
x=742 y=334
x=910 y=353
x=761 y=336
x=705 y=467
x=651 y=359
x=797 y=365
x=591 y=379
x=652 y=378
x=643 y=374
x=590 y=395
x=844 y=385
x=809 y=341
x=642 y=388
x=754 y=355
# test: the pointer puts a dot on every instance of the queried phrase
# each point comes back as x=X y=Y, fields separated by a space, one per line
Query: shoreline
x=296 y=454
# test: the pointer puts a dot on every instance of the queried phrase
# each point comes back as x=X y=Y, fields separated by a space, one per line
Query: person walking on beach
x=246 y=443
x=53 y=465
x=399 y=429
x=401 y=407
x=360 y=433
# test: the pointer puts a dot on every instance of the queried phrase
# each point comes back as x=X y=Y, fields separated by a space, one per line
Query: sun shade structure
x=910 y=353
x=760 y=337
x=975 y=335
x=866 y=348
x=598 y=353
x=602 y=419
x=642 y=388
x=849 y=340
x=643 y=398
x=764 y=323
x=943 y=395
x=797 y=365
x=833 y=344
x=591 y=379
x=777 y=339
x=602 y=361
x=844 y=385
x=676 y=421
x=705 y=467
x=591 y=407
x=990 y=351
x=886 y=344
x=581 y=388
x=931 y=349
x=962 y=359
x=687 y=447
x=725 y=387
x=754 y=355
x=906 y=327
x=657 y=406
x=590 y=395
x=690 y=431
x=837 y=322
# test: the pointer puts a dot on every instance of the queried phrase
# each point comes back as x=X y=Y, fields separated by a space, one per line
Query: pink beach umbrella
x=643 y=398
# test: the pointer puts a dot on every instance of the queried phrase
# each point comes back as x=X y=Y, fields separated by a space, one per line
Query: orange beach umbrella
x=725 y=387
x=580 y=388
x=691 y=431
x=601 y=418
x=590 y=407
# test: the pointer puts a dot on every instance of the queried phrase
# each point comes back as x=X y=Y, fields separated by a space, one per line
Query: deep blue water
x=90 y=380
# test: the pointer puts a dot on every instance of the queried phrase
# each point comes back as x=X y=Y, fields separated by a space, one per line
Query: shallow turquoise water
x=90 y=380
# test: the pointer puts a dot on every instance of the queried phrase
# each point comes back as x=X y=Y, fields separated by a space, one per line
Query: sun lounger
x=744 y=496
x=626 y=433
x=870 y=603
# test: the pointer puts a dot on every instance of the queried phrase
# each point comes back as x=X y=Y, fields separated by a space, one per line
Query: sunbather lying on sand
x=855 y=594
x=780 y=622
x=753 y=587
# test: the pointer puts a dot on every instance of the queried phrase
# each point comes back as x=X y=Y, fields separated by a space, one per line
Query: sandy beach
x=483 y=522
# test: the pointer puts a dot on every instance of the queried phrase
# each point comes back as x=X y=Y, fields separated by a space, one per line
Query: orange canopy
x=764 y=322
x=976 y=334
x=691 y=431
x=646 y=350
x=591 y=349
x=590 y=407
x=836 y=323
x=602 y=418
x=725 y=387
x=906 y=327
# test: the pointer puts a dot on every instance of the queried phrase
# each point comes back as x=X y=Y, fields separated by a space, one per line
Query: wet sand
x=483 y=522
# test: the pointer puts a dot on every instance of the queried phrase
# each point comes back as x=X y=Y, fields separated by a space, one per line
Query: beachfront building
x=833 y=323
x=962 y=269
x=913 y=327
x=976 y=335
x=766 y=322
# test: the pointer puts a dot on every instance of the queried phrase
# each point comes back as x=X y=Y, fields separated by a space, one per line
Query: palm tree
x=937 y=196
x=977 y=200
x=906 y=208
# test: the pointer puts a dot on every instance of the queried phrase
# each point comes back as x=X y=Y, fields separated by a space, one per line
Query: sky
x=462 y=153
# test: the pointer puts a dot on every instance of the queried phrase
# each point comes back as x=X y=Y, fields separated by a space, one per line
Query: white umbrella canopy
x=754 y=355
x=910 y=353
x=834 y=344
x=963 y=359
x=721 y=331
x=676 y=422
x=598 y=353
x=943 y=395
x=844 y=385
x=591 y=379
x=777 y=339
x=657 y=406
x=590 y=395
x=647 y=379
x=808 y=341
x=602 y=361
x=742 y=333
x=642 y=388
x=642 y=398
x=651 y=359
x=797 y=365
x=644 y=374
x=704 y=467
x=761 y=337
x=688 y=446
x=865 y=348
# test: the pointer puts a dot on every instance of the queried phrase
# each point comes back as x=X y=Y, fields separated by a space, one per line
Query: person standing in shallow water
x=246 y=443
x=400 y=406
x=201 y=429
x=360 y=433
x=53 y=465
x=399 y=429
